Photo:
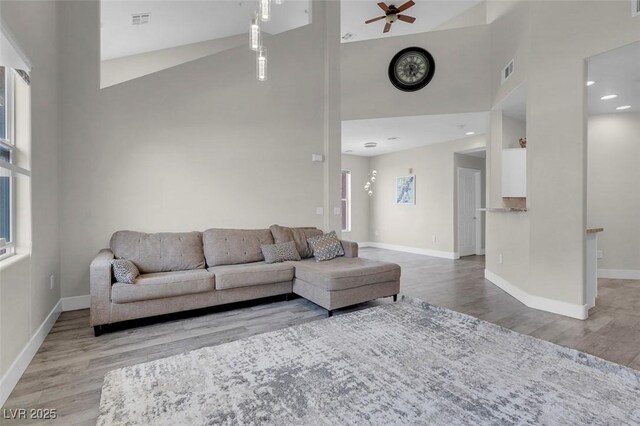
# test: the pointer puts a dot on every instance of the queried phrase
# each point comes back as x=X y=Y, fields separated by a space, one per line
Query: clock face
x=411 y=69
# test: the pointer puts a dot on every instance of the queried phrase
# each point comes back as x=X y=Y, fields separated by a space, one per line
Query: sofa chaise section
x=345 y=281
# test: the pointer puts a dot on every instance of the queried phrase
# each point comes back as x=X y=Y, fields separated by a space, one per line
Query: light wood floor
x=67 y=372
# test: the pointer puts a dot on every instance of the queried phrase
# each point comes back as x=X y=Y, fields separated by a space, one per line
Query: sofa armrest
x=100 y=281
x=350 y=248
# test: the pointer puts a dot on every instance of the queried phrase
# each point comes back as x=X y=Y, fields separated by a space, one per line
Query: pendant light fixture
x=254 y=34
x=261 y=64
x=265 y=10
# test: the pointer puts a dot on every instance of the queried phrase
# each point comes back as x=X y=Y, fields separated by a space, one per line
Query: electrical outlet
x=600 y=254
x=433 y=238
x=51 y=281
x=500 y=258
x=319 y=210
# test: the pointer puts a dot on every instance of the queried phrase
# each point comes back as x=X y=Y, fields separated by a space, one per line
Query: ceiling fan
x=392 y=14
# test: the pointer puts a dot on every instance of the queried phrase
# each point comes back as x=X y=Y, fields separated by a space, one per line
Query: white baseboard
x=619 y=274
x=75 y=303
x=20 y=364
x=415 y=250
x=537 y=302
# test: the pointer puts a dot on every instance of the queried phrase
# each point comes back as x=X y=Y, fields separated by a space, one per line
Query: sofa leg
x=97 y=330
x=395 y=297
x=330 y=313
x=286 y=297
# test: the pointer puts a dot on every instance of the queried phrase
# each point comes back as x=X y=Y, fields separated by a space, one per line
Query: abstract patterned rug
x=403 y=363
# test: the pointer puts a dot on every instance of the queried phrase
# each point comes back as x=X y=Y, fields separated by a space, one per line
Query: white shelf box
x=514 y=172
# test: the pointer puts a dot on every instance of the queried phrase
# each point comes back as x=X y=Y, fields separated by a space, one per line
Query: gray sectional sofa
x=184 y=271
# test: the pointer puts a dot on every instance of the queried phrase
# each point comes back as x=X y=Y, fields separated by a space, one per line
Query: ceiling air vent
x=140 y=18
x=635 y=7
x=506 y=72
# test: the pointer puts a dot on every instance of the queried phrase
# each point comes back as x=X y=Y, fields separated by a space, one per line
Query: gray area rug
x=403 y=363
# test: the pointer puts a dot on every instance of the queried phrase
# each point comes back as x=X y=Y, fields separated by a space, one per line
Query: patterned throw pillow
x=276 y=253
x=125 y=271
x=326 y=247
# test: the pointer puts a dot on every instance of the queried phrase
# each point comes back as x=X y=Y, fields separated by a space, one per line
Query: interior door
x=467 y=211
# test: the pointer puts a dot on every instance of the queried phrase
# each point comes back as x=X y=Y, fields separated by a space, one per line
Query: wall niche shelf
x=505 y=209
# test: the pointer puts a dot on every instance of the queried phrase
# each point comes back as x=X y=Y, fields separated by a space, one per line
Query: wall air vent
x=140 y=18
x=635 y=7
x=506 y=72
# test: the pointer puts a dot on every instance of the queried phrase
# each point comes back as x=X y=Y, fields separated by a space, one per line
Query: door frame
x=477 y=183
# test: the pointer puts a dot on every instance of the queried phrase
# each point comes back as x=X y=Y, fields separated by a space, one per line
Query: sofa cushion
x=234 y=276
x=160 y=285
x=326 y=247
x=125 y=271
x=282 y=234
x=280 y=252
x=234 y=246
x=345 y=272
x=160 y=252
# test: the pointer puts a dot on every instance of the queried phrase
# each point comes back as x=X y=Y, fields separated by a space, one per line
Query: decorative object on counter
x=406 y=189
x=368 y=187
x=523 y=142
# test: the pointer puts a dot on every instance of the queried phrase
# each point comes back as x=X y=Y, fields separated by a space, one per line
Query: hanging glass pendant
x=265 y=10
x=261 y=64
x=254 y=33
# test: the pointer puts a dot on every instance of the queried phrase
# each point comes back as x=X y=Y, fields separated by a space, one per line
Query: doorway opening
x=470 y=178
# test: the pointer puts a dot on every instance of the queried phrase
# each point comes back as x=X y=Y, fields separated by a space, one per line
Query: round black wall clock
x=411 y=69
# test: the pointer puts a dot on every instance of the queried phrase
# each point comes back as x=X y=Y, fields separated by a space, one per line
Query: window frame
x=345 y=201
x=8 y=249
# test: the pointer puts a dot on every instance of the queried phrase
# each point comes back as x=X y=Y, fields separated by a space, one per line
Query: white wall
x=433 y=214
x=613 y=198
x=200 y=145
x=118 y=70
x=360 y=169
x=551 y=265
x=25 y=297
x=461 y=82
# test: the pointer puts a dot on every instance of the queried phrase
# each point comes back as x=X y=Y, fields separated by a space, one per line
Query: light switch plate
x=319 y=210
x=317 y=158
x=337 y=211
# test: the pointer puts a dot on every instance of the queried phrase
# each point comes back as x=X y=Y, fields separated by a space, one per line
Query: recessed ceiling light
x=348 y=36
x=607 y=97
x=620 y=108
x=393 y=138
x=470 y=133
x=370 y=145
x=590 y=83
x=349 y=150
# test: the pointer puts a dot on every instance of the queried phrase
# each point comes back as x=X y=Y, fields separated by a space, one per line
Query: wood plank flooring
x=68 y=370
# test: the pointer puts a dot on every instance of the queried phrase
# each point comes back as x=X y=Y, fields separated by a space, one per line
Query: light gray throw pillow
x=125 y=271
x=326 y=247
x=280 y=252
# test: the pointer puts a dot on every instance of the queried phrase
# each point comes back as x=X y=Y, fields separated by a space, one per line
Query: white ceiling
x=412 y=132
x=181 y=22
x=429 y=14
x=615 y=72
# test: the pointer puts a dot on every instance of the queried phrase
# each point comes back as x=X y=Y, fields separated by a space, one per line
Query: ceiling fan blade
x=384 y=7
x=406 y=6
x=405 y=18
x=374 y=19
x=387 y=27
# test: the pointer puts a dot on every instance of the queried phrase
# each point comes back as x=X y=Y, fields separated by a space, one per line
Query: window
x=346 y=201
x=14 y=141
